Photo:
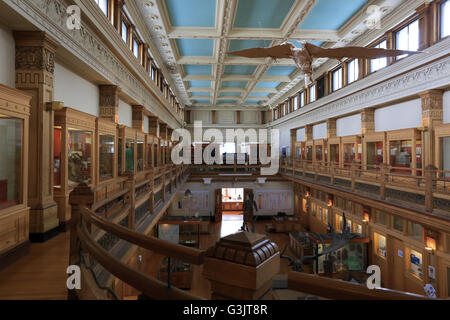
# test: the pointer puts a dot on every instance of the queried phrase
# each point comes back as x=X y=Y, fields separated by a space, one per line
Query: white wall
x=446 y=107
x=204 y=116
x=399 y=116
x=146 y=125
x=248 y=117
x=223 y=116
x=125 y=114
x=348 y=126
x=301 y=134
x=320 y=131
x=196 y=186
x=7 y=57
x=75 y=92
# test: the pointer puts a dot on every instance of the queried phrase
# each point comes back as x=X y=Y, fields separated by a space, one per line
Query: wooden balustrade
x=344 y=290
x=428 y=182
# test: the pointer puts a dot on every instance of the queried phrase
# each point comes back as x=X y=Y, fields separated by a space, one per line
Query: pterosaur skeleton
x=304 y=57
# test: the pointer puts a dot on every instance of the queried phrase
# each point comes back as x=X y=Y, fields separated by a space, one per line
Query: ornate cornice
x=51 y=17
x=409 y=84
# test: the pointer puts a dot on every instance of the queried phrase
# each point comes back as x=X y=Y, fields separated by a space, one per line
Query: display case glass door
x=349 y=154
x=106 y=156
x=140 y=155
x=319 y=153
x=400 y=155
x=11 y=133
x=309 y=153
x=334 y=154
x=79 y=157
x=119 y=157
x=374 y=153
x=57 y=153
x=444 y=144
x=129 y=155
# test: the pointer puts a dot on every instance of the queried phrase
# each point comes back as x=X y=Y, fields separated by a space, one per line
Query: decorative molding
x=410 y=84
x=51 y=16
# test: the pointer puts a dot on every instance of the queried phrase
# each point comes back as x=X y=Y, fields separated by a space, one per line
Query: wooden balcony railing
x=430 y=183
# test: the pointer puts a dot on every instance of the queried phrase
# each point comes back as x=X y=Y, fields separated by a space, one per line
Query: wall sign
x=400 y=253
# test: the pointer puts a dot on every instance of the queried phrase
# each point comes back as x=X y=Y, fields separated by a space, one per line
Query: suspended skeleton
x=339 y=240
x=304 y=57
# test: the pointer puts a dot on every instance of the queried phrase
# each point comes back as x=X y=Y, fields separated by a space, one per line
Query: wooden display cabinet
x=442 y=132
x=334 y=151
x=74 y=156
x=351 y=150
x=106 y=140
x=151 y=163
x=14 y=210
x=140 y=151
x=320 y=151
x=127 y=149
x=404 y=151
x=374 y=144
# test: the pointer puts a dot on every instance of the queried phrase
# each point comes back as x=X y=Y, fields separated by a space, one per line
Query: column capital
x=109 y=102
x=35 y=50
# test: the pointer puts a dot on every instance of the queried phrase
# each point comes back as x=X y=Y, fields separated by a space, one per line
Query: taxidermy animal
x=304 y=57
x=339 y=240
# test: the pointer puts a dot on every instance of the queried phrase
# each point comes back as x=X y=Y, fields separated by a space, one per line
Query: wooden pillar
x=163 y=135
x=293 y=141
x=368 y=121
x=35 y=56
x=432 y=115
x=263 y=117
x=118 y=4
x=138 y=117
x=238 y=117
x=308 y=132
x=430 y=178
x=187 y=114
x=331 y=128
x=109 y=102
x=241 y=266
x=131 y=184
x=153 y=126
x=213 y=117
x=427 y=25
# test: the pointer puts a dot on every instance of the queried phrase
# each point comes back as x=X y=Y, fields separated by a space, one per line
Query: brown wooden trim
x=9 y=257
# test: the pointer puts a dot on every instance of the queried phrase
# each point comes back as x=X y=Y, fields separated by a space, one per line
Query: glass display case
x=334 y=153
x=374 y=152
x=351 y=150
x=405 y=151
x=106 y=141
x=11 y=153
x=309 y=152
x=128 y=152
x=14 y=178
x=74 y=155
x=140 y=154
x=150 y=157
x=351 y=257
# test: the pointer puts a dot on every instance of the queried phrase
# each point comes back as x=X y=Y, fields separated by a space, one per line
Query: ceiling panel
x=195 y=47
x=239 y=70
x=199 y=84
x=197 y=69
x=262 y=13
x=234 y=84
x=332 y=14
x=191 y=13
x=280 y=71
x=268 y=85
x=229 y=94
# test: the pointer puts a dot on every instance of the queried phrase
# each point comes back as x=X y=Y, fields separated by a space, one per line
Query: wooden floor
x=42 y=273
x=39 y=275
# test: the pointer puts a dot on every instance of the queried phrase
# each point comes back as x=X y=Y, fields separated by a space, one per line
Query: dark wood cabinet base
x=14 y=254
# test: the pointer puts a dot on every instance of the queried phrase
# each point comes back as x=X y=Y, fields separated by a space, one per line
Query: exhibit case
x=127 y=149
x=150 y=151
x=74 y=156
x=107 y=144
x=140 y=151
x=14 y=210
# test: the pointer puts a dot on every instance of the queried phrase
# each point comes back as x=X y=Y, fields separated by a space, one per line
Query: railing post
x=131 y=181
x=241 y=266
x=81 y=196
x=384 y=172
x=332 y=173
x=430 y=181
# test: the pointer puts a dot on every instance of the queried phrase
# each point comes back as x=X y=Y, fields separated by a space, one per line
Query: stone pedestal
x=241 y=266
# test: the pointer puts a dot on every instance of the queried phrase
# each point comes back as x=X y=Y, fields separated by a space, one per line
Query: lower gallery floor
x=42 y=274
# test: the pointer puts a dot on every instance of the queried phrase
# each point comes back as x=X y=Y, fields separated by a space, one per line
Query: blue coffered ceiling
x=197 y=33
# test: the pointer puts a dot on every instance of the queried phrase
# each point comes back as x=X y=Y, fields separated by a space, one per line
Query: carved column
x=368 y=121
x=138 y=118
x=241 y=266
x=153 y=126
x=109 y=102
x=35 y=54
x=432 y=115
x=331 y=128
